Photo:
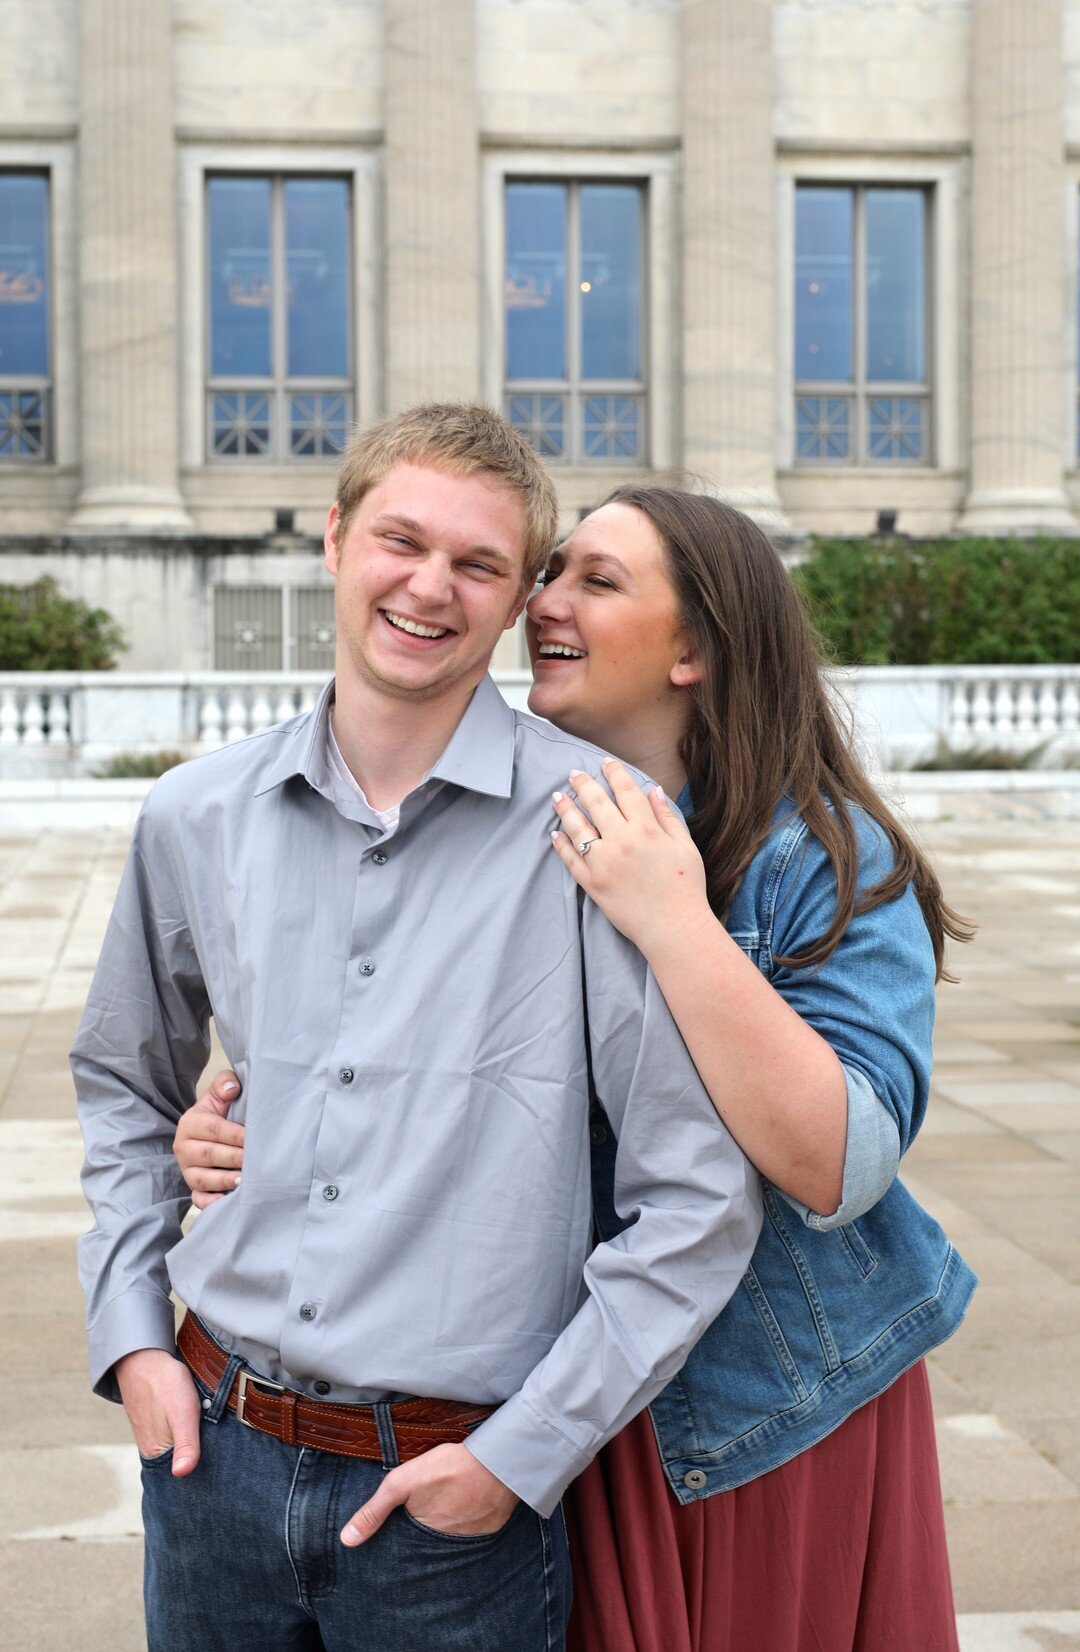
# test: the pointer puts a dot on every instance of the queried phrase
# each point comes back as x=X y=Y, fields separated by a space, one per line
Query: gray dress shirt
x=418 y=1018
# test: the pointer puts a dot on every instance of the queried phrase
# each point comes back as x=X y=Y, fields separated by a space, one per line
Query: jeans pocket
x=459 y=1539
x=161 y=1458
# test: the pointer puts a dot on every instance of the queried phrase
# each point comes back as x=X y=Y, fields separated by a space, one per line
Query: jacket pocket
x=857 y=1248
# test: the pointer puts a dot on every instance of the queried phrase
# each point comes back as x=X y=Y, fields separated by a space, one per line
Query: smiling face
x=610 y=661
x=429 y=574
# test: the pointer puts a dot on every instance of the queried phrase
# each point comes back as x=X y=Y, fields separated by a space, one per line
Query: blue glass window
x=535 y=281
x=895 y=286
x=824 y=246
x=316 y=238
x=610 y=284
x=861 y=389
x=241 y=292
x=25 y=401
x=280 y=298
x=573 y=306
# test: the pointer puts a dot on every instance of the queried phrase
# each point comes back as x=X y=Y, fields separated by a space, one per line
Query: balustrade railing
x=70 y=723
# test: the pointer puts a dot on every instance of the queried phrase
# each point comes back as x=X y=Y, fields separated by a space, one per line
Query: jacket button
x=321 y=1387
x=380 y=858
x=367 y=967
x=308 y=1311
x=346 y=1075
x=696 y=1480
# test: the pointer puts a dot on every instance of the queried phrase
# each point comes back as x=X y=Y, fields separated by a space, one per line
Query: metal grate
x=313 y=634
x=248 y=632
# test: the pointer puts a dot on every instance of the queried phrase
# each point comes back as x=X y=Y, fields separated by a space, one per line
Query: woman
x=783 y=1494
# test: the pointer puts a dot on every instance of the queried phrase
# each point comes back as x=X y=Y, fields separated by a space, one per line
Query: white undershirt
x=387 y=818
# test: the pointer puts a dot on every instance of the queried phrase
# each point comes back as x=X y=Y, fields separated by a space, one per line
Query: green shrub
x=946 y=601
x=138 y=765
x=41 y=630
x=948 y=758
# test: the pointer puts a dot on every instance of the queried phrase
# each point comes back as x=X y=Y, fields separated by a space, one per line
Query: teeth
x=561 y=650
x=413 y=628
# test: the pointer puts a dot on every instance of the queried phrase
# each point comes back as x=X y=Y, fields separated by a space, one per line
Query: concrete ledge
x=987 y=794
x=30 y=806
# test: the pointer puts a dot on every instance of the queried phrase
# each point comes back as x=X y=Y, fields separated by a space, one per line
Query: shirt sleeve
x=141 y=1045
x=872 y=1000
x=693 y=1202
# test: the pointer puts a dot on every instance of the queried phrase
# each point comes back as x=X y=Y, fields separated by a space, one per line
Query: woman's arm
x=207 y=1146
x=777 y=1083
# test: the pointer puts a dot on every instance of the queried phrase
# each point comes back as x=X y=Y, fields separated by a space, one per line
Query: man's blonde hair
x=462 y=439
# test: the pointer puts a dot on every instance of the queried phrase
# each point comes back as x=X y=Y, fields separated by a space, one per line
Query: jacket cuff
x=137 y=1319
x=527 y=1454
x=871 y=1156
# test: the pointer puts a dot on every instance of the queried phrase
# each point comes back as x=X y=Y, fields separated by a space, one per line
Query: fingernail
x=661 y=794
x=351 y=1537
x=236 y=1180
x=556 y=797
x=576 y=774
x=554 y=837
x=229 y=1086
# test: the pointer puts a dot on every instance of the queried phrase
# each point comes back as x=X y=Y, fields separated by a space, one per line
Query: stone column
x=1017 y=270
x=729 y=252
x=128 y=272
x=432 y=202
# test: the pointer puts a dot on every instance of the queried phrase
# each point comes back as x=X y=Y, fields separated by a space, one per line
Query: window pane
x=24 y=273
x=823 y=323
x=240 y=296
x=317 y=254
x=535 y=284
x=610 y=281
x=895 y=285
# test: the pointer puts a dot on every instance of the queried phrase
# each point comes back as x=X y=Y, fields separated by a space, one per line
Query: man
x=399 y=1299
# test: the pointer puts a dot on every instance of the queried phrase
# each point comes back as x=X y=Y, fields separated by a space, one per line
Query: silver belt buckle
x=247 y=1377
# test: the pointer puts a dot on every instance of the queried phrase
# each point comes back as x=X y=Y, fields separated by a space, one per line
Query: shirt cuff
x=871 y=1156
x=527 y=1454
x=138 y=1319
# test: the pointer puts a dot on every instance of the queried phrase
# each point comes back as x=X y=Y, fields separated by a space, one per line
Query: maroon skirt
x=840 y=1550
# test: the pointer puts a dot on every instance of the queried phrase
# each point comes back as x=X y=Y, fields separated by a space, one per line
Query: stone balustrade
x=68 y=724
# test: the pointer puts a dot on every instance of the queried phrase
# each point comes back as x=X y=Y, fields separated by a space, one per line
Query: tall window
x=574 y=310
x=280 y=354
x=862 y=391
x=25 y=346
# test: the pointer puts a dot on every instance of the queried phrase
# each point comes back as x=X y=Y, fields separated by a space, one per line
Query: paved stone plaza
x=998 y=1162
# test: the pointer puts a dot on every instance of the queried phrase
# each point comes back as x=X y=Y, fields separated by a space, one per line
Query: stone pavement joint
x=998 y=1163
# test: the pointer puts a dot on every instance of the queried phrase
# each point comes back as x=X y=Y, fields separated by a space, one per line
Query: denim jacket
x=832 y=1308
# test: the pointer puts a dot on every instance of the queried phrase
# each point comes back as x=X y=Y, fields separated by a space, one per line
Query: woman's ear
x=688 y=668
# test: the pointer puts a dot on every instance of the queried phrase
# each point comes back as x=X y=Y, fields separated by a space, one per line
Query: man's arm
x=141 y=1044
x=694 y=1204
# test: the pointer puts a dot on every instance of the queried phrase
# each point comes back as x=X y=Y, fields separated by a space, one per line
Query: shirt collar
x=479 y=755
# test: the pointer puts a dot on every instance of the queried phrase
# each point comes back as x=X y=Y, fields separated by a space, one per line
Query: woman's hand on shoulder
x=208 y=1147
x=640 y=866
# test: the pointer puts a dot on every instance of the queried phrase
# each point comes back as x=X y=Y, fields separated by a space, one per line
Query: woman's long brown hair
x=763 y=727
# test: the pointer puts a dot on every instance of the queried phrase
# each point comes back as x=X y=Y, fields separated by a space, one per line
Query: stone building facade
x=822 y=253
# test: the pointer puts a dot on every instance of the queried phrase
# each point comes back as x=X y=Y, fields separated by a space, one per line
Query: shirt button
x=696 y=1480
x=321 y=1387
x=598 y=1135
x=380 y=858
x=330 y=1193
x=367 y=967
x=308 y=1311
x=346 y=1075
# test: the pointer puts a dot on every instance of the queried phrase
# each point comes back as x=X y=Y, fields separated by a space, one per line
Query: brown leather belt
x=349 y=1430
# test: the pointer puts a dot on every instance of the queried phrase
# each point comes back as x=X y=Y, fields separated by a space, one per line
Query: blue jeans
x=244 y=1554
